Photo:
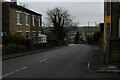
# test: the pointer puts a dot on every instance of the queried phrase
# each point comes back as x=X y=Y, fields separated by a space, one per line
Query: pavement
x=97 y=63
x=6 y=57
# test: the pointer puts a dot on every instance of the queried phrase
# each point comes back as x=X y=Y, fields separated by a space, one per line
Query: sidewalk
x=97 y=63
x=6 y=57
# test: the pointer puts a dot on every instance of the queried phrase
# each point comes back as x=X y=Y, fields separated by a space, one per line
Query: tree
x=25 y=5
x=59 y=19
x=77 y=38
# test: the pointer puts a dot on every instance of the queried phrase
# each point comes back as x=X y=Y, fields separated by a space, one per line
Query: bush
x=16 y=38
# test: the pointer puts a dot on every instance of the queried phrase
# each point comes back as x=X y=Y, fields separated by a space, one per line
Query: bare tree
x=25 y=5
x=59 y=19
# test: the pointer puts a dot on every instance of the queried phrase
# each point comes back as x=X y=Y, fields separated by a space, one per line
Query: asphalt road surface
x=66 y=62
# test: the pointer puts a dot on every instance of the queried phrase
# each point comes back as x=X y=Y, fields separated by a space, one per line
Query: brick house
x=111 y=38
x=17 y=19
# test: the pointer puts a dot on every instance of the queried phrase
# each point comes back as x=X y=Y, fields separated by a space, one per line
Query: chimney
x=14 y=1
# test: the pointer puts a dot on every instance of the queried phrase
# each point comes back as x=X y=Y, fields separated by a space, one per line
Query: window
x=39 y=22
x=119 y=29
x=33 y=19
x=27 y=19
x=18 y=13
x=27 y=35
x=34 y=33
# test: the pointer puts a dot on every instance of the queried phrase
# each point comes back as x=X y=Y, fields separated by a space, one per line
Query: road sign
x=107 y=19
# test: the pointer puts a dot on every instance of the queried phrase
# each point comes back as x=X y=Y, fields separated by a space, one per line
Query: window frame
x=33 y=20
x=27 y=19
x=19 y=17
x=39 y=21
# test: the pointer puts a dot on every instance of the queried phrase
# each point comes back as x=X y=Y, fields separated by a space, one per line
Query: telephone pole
x=107 y=34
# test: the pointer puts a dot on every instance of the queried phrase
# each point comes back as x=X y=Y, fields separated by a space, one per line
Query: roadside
x=6 y=57
x=97 y=63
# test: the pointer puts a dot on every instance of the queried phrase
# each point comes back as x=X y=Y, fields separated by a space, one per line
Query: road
x=66 y=62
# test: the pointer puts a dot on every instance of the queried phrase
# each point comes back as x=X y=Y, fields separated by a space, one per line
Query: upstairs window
x=39 y=22
x=18 y=13
x=33 y=19
x=27 y=20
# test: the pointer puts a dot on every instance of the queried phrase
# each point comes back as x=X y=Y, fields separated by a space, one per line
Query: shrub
x=18 y=39
x=15 y=38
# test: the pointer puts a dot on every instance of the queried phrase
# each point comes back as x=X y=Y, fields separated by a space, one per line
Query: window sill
x=18 y=24
x=27 y=25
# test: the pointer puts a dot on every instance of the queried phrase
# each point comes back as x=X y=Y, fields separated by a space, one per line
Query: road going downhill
x=67 y=62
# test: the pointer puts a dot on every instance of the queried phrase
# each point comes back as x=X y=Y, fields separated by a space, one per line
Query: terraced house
x=17 y=19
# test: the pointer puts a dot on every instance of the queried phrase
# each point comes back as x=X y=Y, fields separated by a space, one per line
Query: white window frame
x=39 y=21
x=33 y=20
x=27 y=19
x=119 y=28
x=18 y=17
x=19 y=31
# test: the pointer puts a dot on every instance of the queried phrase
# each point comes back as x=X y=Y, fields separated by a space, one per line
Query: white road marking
x=46 y=59
x=89 y=63
x=43 y=60
x=13 y=72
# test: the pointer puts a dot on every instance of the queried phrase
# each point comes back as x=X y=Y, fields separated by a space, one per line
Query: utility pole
x=88 y=28
x=95 y=23
x=107 y=34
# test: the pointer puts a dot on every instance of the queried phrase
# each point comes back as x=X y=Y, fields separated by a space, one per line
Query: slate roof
x=22 y=8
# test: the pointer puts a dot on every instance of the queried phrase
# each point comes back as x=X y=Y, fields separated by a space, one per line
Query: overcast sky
x=82 y=11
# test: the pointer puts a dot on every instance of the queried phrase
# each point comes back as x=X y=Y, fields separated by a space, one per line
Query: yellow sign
x=108 y=19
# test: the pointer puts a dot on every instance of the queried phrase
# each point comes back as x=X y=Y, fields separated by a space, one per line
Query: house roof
x=91 y=29
x=20 y=7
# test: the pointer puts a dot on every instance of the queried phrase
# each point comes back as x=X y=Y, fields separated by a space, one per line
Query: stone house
x=17 y=19
x=89 y=31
